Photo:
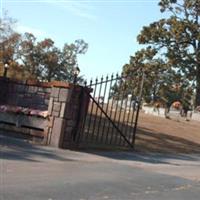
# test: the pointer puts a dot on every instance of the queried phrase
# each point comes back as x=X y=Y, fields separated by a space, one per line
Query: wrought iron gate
x=112 y=113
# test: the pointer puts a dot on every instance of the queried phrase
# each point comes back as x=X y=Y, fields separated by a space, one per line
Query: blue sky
x=109 y=27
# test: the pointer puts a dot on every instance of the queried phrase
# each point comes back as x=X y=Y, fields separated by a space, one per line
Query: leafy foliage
x=32 y=59
x=178 y=39
x=160 y=79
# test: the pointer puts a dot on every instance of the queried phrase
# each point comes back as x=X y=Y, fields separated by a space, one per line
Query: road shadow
x=151 y=147
x=151 y=141
x=149 y=158
x=12 y=148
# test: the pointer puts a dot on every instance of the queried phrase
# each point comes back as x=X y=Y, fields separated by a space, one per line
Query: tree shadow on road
x=153 y=147
x=19 y=149
x=149 y=141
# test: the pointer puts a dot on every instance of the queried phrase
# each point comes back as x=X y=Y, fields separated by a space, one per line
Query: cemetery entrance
x=113 y=112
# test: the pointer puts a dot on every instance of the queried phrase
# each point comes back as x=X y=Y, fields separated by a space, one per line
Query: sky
x=109 y=27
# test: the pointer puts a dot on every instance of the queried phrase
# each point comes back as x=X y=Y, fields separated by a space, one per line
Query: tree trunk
x=197 y=100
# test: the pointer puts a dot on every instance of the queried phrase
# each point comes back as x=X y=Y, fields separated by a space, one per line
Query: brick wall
x=66 y=104
x=25 y=94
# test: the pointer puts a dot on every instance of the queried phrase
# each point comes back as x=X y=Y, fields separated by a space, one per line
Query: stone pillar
x=59 y=99
x=73 y=115
x=67 y=109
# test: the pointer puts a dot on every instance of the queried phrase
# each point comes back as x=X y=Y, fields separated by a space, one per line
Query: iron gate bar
x=96 y=111
x=104 y=94
x=110 y=120
x=112 y=79
x=138 y=109
x=118 y=123
x=104 y=122
x=88 y=109
x=115 y=115
x=102 y=135
x=127 y=127
x=90 y=116
x=99 y=96
x=123 y=121
x=120 y=111
x=111 y=114
x=132 y=120
x=137 y=115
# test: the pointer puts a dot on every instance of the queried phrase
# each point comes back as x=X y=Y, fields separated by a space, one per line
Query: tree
x=161 y=81
x=46 y=62
x=177 y=38
x=153 y=68
x=49 y=65
x=39 y=60
x=9 y=44
x=30 y=55
x=69 y=58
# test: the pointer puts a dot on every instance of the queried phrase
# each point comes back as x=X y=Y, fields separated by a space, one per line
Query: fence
x=112 y=114
x=103 y=112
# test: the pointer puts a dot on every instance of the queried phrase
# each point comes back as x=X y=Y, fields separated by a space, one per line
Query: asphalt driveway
x=44 y=173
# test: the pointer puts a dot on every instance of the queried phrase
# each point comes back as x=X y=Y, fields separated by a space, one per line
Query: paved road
x=43 y=173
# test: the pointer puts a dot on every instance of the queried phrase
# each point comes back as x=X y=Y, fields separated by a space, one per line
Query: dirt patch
x=156 y=134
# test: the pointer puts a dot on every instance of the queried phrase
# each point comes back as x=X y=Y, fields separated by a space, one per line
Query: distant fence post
x=4 y=89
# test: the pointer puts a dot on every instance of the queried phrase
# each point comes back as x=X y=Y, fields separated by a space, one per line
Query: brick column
x=67 y=108
x=59 y=99
x=72 y=115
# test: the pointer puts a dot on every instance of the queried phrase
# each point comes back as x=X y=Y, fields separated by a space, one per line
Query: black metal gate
x=112 y=113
